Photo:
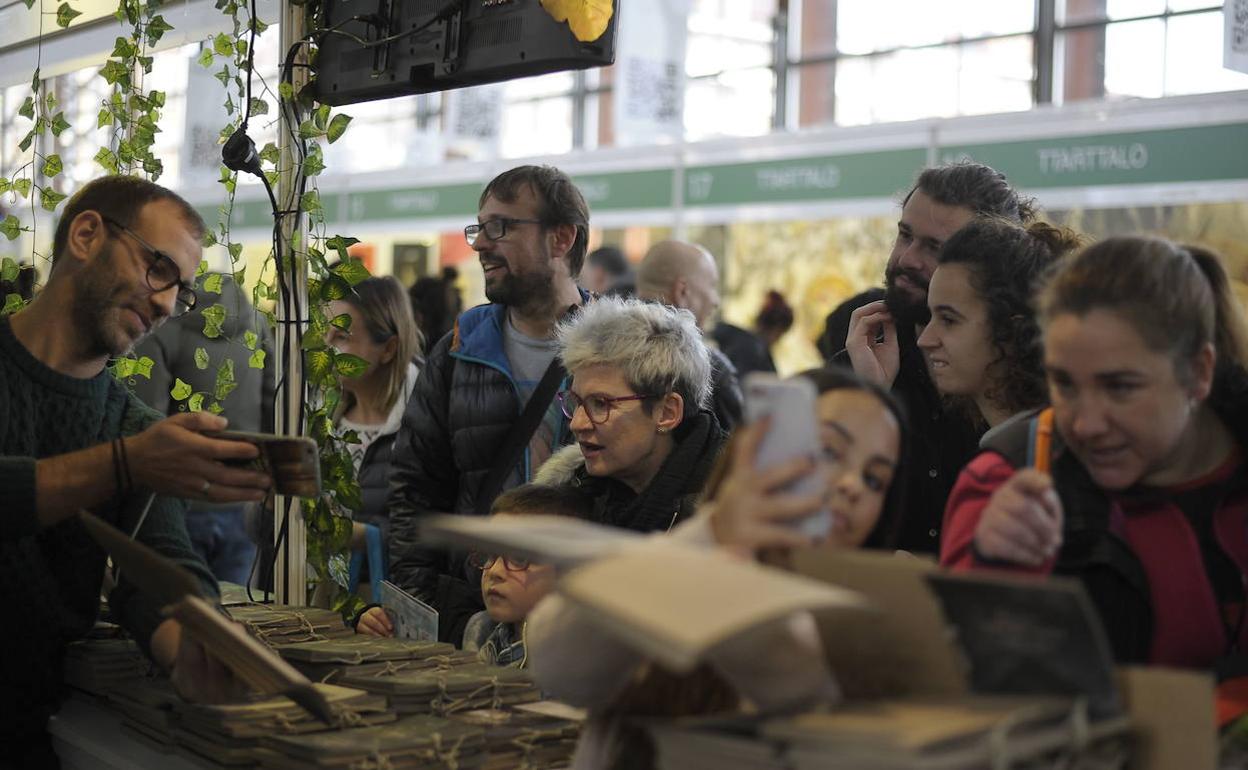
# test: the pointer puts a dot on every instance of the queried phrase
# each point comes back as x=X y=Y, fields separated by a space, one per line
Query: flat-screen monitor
x=469 y=42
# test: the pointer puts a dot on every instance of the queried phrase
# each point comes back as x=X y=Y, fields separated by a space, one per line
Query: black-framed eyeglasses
x=484 y=561
x=163 y=273
x=597 y=406
x=494 y=228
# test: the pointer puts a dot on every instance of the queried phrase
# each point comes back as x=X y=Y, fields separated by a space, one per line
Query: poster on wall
x=474 y=117
x=1235 y=50
x=650 y=72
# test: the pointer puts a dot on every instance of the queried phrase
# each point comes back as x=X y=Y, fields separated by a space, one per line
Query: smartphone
x=794 y=432
x=291 y=461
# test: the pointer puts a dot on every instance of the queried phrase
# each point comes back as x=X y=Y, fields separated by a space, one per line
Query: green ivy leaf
x=334 y=288
x=213 y=318
x=258 y=26
x=224 y=76
x=22 y=187
x=222 y=45
x=216 y=408
x=50 y=199
x=337 y=127
x=321 y=117
x=122 y=49
x=236 y=250
x=9 y=269
x=11 y=227
x=202 y=267
x=24 y=145
x=212 y=284
x=156 y=29
x=65 y=14
x=146 y=63
x=52 y=165
x=115 y=72
x=311 y=202
x=34 y=80
x=5 y=185
x=49 y=102
x=340 y=244
x=225 y=380
x=350 y=366
x=181 y=390
x=256 y=361
x=259 y=106
x=105 y=118
x=143 y=367
x=341 y=321
x=351 y=270
x=206 y=58
x=201 y=358
x=59 y=124
x=196 y=403
x=309 y=130
x=12 y=304
x=271 y=153
x=250 y=339
x=314 y=164
x=285 y=91
x=27 y=110
x=156 y=99
x=108 y=159
x=229 y=105
x=320 y=365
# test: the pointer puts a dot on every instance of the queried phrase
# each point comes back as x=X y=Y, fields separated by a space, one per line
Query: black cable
x=251 y=60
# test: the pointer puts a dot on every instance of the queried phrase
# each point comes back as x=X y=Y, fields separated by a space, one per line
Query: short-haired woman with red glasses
x=637 y=402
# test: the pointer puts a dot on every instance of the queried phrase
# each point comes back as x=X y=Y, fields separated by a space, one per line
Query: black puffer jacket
x=456 y=421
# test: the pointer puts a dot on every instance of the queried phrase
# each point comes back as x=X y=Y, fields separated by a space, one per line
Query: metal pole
x=290 y=573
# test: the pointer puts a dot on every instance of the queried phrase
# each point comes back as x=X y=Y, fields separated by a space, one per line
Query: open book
x=255 y=664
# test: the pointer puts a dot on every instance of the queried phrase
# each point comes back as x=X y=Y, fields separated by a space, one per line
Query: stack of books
x=416 y=743
x=229 y=734
x=96 y=666
x=146 y=706
x=279 y=624
x=446 y=691
x=327 y=660
x=521 y=739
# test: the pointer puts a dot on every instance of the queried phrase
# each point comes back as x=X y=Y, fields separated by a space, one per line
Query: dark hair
x=120 y=198
x=533 y=499
x=775 y=314
x=980 y=188
x=431 y=308
x=1006 y=263
x=610 y=259
x=559 y=203
x=1176 y=298
x=884 y=535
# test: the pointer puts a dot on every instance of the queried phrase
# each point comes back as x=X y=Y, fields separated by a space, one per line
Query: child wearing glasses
x=511 y=587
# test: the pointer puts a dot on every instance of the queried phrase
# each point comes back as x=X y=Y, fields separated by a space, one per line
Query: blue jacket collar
x=480 y=333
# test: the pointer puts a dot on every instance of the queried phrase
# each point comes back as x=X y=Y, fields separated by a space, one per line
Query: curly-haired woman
x=982 y=343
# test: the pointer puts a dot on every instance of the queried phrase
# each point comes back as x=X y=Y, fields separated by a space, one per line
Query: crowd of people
x=1017 y=398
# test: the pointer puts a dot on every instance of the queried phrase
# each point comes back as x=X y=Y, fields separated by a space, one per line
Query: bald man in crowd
x=685 y=275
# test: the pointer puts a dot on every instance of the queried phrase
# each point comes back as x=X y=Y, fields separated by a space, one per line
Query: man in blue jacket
x=531 y=234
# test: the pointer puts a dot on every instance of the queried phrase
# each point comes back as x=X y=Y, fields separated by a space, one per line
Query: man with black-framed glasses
x=468 y=434
x=72 y=437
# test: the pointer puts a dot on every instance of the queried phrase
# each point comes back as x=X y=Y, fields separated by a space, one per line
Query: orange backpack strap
x=1040 y=441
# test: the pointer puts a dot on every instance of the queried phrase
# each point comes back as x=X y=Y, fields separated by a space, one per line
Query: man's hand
x=173 y=457
x=1023 y=521
x=196 y=675
x=750 y=510
x=872 y=344
x=375 y=622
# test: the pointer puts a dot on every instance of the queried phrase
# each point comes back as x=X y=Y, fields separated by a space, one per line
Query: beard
x=97 y=294
x=532 y=289
x=907 y=309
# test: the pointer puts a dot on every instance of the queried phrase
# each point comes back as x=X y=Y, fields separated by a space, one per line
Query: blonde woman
x=384 y=334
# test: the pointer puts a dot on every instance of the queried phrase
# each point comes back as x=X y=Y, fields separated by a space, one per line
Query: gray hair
x=657 y=348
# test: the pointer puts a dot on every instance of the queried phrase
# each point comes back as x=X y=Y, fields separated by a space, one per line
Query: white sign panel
x=650 y=72
x=1235 y=50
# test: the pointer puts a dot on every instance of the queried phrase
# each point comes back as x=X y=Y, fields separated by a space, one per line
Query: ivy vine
x=133 y=113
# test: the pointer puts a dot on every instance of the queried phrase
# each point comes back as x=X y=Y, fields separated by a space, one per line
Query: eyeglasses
x=163 y=273
x=597 y=407
x=484 y=561
x=494 y=228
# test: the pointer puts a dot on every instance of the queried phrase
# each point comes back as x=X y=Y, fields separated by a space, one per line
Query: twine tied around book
x=448 y=755
x=441 y=704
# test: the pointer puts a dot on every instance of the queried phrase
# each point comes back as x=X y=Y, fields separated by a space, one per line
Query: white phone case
x=794 y=432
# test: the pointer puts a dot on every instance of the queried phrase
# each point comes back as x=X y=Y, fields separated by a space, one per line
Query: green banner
x=626 y=190
x=1197 y=154
x=413 y=203
x=829 y=177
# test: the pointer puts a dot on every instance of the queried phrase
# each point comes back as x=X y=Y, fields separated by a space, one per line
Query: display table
x=88 y=736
